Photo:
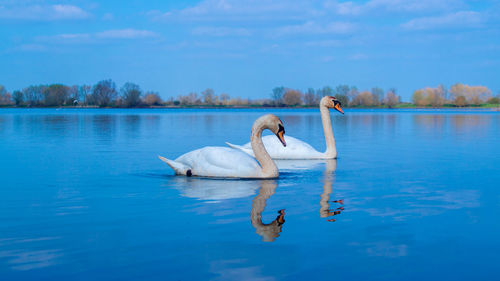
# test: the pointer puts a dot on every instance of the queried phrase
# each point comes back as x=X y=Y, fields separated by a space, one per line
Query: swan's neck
x=331 y=149
x=269 y=168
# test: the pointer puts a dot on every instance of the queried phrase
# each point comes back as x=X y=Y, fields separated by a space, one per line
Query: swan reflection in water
x=328 y=179
x=270 y=231
x=216 y=190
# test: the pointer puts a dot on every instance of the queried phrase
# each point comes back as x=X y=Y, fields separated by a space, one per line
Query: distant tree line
x=458 y=95
x=105 y=94
x=349 y=96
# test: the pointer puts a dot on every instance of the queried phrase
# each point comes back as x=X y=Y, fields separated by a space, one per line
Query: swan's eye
x=335 y=102
x=281 y=128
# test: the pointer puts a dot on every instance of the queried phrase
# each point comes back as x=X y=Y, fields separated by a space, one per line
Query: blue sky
x=247 y=47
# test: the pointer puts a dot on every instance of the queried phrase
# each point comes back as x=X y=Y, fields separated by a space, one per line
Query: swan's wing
x=213 y=161
x=295 y=148
x=247 y=148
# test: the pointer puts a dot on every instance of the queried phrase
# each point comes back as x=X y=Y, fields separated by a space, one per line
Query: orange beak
x=338 y=108
x=281 y=137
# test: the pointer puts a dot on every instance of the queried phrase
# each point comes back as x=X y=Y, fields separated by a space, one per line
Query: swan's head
x=279 y=130
x=332 y=102
x=274 y=124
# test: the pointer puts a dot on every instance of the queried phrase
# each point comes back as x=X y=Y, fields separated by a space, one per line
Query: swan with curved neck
x=297 y=149
x=223 y=162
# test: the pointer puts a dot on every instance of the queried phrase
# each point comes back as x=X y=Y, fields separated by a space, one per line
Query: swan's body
x=297 y=149
x=215 y=161
x=224 y=162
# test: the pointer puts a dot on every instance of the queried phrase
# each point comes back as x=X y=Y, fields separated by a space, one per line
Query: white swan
x=297 y=149
x=224 y=162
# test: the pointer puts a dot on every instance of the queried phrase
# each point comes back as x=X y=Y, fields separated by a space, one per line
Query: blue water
x=414 y=195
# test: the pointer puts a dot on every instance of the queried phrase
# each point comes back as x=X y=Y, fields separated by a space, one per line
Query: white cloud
x=81 y=38
x=358 y=56
x=415 y=5
x=278 y=10
x=239 y=10
x=458 y=19
x=221 y=31
x=377 y=7
x=311 y=27
x=126 y=34
x=344 y=8
x=325 y=43
x=43 y=12
x=108 y=16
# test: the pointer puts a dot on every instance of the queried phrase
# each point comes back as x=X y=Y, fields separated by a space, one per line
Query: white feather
x=295 y=148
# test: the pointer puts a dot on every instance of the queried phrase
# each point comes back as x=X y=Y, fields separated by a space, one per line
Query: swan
x=298 y=149
x=224 y=162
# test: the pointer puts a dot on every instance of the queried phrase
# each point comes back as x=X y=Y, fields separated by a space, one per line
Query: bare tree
x=152 y=98
x=55 y=95
x=473 y=94
x=364 y=98
x=85 y=93
x=377 y=95
x=208 y=97
x=104 y=93
x=353 y=92
x=292 y=97
x=391 y=99
x=5 y=97
x=310 y=98
x=33 y=95
x=74 y=95
x=418 y=98
x=18 y=98
x=131 y=94
x=224 y=98
x=277 y=95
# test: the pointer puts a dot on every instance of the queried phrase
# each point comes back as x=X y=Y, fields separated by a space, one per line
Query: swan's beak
x=281 y=137
x=338 y=108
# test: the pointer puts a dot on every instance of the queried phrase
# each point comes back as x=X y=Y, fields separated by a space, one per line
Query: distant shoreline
x=485 y=108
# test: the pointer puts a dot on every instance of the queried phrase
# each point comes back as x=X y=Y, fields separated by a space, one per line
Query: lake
x=413 y=195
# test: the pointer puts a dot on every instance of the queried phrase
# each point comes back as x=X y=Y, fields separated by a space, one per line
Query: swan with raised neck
x=224 y=162
x=298 y=149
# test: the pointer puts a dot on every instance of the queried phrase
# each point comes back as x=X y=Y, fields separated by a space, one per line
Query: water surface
x=413 y=195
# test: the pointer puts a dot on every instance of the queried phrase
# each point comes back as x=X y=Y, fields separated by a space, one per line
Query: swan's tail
x=239 y=147
x=179 y=168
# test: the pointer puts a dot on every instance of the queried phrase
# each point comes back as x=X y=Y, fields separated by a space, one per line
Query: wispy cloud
x=239 y=10
x=126 y=34
x=278 y=10
x=453 y=20
x=349 y=8
x=221 y=31
x=413 y=6
x=81 y=38
x=358 y=56
x=43 y=12
x=311 y=27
